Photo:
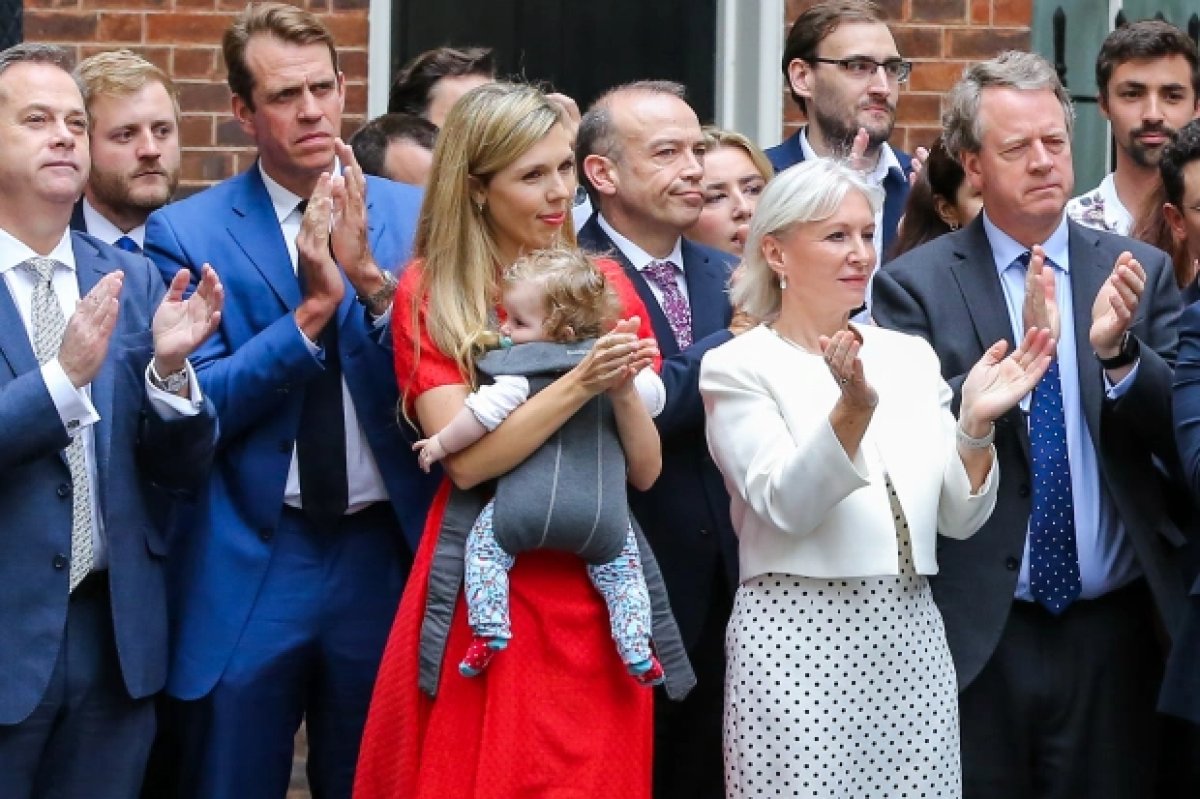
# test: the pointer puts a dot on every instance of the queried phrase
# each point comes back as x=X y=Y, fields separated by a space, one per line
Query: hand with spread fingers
x=997 y=383
x=1115 y=305
x=841 y=356
x=1040 y=306
x=181 y=325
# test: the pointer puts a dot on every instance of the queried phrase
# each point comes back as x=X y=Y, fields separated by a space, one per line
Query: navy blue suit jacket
x=138 y=455
x=949 y=293
x=255 y=370
x=685 y=514
x=895 y=185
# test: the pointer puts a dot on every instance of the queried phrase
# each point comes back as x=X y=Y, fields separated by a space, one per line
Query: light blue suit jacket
x=138 y=456
x=255 y=370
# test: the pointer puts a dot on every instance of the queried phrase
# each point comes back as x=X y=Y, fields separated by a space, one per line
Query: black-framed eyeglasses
x=896 y=69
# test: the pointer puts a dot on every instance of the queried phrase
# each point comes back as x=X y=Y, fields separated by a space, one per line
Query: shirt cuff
x=313 y=348
x=74 y=407
x=171 y=406
x=1119 y=390
x=381 y=321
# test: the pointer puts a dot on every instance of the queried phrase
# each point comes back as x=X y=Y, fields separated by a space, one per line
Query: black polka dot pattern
x=1053 y=555
x=840 y=688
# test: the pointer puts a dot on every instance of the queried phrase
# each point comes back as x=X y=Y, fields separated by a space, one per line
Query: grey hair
x=38 y=53
x=962 y=130
x=807 y=192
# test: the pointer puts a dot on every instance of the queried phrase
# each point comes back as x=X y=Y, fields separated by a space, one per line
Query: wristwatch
x=1125 y=356
x=383 y=295
x=173 y=383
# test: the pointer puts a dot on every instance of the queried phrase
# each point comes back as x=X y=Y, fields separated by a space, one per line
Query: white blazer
x=798 y=503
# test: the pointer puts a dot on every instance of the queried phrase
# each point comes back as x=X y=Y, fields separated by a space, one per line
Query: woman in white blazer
x=843 y=462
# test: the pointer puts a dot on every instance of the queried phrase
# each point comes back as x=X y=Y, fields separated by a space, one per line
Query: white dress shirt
x=365 y=481
x=98 y=225
x=642 y=259
x=1102 y=209
x=74 y=405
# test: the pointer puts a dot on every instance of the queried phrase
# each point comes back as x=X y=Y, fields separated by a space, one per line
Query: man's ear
x=973 y=170
x=601 y=173
x=1102 y=104
x=800 y=77
x=244 y=114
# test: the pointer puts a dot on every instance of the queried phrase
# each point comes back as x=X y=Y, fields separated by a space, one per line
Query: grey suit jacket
x=949 y=293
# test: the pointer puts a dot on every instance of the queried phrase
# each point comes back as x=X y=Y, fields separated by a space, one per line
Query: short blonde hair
x=715 y=137
x=120 y=73
x=807 y=192
x=579 y=302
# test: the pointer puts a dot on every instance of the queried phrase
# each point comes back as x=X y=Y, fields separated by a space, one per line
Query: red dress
x=555 y=716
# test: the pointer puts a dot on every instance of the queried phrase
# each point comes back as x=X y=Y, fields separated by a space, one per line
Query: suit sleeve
x=791 y=478
x=243 y=385
x=30 y=427
x=684 y=409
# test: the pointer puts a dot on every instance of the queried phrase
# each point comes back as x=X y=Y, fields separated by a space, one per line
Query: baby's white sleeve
x=492 y=403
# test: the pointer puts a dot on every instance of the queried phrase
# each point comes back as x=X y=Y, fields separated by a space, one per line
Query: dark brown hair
x=1148 y=38
x=412 y=87
x=941 y=176
x=815 y=24
x=280 y=20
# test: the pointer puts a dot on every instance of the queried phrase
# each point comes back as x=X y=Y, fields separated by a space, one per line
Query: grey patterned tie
x=49 y=324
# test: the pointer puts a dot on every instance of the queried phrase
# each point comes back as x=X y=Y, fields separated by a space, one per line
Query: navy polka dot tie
x=1053 y=557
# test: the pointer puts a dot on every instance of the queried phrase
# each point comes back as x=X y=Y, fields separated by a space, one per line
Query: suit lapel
x=15 y=346
x=1088 y=273
x=706 y=291
x=593 y=238
x=255 y=228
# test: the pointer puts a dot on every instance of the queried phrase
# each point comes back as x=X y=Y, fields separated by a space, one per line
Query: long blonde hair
x=488 y=129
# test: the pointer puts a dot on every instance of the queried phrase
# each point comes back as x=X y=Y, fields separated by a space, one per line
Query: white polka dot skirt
x=840 y=688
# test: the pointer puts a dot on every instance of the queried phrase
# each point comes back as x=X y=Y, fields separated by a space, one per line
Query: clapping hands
x=996 y=383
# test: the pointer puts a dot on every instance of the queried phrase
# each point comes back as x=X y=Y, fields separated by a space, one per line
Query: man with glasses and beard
x=133 y=110
x=1149 y=87
x=844 y=71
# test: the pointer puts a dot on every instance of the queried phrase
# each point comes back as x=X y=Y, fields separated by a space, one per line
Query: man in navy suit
x=641 y=157
x=1051 y=608
x=304 y=538
x=844 y=71
x=99 y=411
x=133 y=110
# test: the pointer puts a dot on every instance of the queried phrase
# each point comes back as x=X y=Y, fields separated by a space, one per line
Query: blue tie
x=128 y=245
x=1053 y=556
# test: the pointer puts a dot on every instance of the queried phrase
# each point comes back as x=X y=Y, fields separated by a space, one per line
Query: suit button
x=285 y=447
x=266 y=533
x=703 y=531
x=1011 y=564
x=1023 y=490
x=59 y=562
x=63 y=490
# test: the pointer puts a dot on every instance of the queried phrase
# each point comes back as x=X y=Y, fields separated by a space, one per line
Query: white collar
x=101 y=227
x=283 y=200
x=635 y=254
x=14 y=252
x=886 y=163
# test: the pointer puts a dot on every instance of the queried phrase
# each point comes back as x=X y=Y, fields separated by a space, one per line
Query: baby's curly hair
x=580 y=303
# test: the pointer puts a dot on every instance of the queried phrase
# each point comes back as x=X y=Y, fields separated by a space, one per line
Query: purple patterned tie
x=676 y=308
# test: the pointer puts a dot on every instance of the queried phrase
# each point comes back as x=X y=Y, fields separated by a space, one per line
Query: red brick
x=983 y=43
x=935 y=75
x=353 y=63
x=55 y=26
x=210 y=165
x=195 y=62
x=356 y=98
x=922 y=137
x=126 y=5
x=196 y=130
x=915 y=41
x=118 y=27
x=981 y=12
x=203 y=97
x=918 y=109
x=349 y=30
x=31 y=4
x=185 y=28
x=230 y=133
x=1012 y=12
x=350 y=5
x=197 y=5
x=939 y=10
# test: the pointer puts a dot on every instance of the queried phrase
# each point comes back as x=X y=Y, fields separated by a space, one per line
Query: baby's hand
x=429 y=452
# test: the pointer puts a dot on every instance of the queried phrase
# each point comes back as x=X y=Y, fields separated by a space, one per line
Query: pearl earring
x=783 y=282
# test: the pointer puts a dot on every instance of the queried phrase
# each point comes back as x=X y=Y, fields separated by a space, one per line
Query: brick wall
x=941 y=37
x=183 y=38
